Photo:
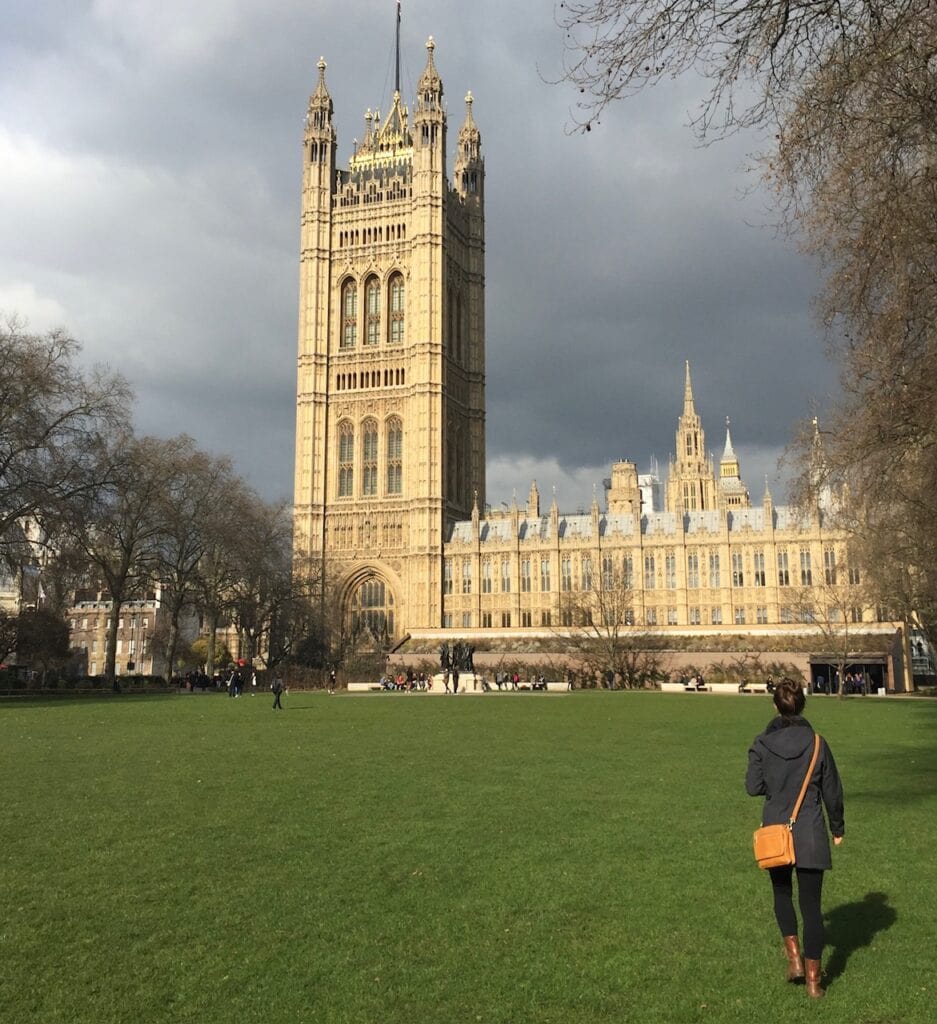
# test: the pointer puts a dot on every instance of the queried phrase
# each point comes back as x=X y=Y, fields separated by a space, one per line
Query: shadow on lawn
x=854 y=925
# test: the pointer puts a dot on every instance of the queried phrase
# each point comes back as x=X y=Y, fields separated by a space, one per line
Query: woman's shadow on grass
x=854 y=925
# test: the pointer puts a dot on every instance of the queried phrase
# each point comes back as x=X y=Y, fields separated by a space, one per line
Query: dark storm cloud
x=150 y=176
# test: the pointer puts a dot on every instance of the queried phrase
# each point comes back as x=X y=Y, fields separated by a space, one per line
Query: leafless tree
x=193 y=502
x=118 y=528
x=602 y=633
x=756 y=54
x=53 y=418
x=833 y=605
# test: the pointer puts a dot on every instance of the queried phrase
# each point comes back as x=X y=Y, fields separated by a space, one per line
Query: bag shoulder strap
x=803 y=788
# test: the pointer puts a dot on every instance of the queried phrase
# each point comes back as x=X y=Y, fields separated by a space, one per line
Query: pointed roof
x=688 y=408
x=430 y=80
x=321 y=96
x=728 y=454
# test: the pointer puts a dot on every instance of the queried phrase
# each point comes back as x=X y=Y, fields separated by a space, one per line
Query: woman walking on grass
x=777 y=763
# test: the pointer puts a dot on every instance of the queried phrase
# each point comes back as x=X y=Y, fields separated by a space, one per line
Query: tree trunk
x=110 y=656
x=212 y=626
x=171 y=643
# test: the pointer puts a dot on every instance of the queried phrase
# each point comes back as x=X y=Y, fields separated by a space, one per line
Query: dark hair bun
x=789 y=697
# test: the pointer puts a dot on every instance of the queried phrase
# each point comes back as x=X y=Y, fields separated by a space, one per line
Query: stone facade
x=390 y=438
x=390 y=430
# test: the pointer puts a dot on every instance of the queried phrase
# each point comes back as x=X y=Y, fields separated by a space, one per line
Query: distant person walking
x=777 y=764
x=277 y=687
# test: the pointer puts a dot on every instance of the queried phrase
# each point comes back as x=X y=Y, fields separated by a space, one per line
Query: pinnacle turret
x=429 y=88
x=319 y=113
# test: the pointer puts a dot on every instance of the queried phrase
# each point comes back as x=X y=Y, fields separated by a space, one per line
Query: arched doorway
x=371 y=609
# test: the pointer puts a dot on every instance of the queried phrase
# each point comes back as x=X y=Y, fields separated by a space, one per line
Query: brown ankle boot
x=795 y=963
x=814 y=972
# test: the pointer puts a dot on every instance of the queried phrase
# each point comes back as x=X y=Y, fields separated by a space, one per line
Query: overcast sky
x=149 y=197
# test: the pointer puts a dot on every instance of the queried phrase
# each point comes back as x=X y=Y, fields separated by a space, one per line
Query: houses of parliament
x=390 y=432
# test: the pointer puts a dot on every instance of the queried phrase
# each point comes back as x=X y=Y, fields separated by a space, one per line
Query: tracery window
x=525 y=575
x=467 y=576
x=784 y=572
x=650 y=574
x=692 y=571
x=738 y=571
x=372 y=609
x=586 y=565
x=758 y=568
x=829 y=566
x=349 y=315
x=486 y=576
x=714 y=574
x=372 y=298
x=394 y=430
x=627 y=572
x=397 y=310
x=346 y=459
x=806 y=568
x=670 y=567
x=505 y=577
x=369 y=457
x=566 y=574
x=545 y=575
x=689 y=497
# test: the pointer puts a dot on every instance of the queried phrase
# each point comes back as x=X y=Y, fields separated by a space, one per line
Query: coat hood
x=788 y=738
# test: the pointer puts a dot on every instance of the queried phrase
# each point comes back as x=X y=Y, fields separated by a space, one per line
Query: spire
x=319 y=113
x=767 y=500
x=688 y=407
x=429 y=88
x=533 y=502
x=728 y=454
x=469 y=165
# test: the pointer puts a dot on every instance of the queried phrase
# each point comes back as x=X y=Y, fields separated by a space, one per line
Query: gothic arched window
x=346 y=459
x=369 y=457
x=397 y=296
x=394 y=456
x=349 y=315
x=372 y=300
x=372 y=609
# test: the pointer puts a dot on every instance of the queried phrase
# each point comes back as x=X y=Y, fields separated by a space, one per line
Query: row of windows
x=366 y=458
x=143 y=622
x=697 y=616
x=345 y=533
x=370 y=379
x=503 y=619
x=382 y=320
x=621 y=574
x=367 y=236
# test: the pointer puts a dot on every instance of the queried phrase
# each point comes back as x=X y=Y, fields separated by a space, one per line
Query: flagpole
x=397 y=65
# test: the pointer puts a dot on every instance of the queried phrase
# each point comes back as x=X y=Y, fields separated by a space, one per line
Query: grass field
x=394 y=859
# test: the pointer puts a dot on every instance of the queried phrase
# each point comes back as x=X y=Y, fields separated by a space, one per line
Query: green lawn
x=394 y=859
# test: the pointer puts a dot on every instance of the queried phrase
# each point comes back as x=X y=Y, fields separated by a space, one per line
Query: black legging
x=809 y=891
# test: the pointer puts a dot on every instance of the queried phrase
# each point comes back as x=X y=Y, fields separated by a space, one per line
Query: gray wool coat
x=777 y=762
